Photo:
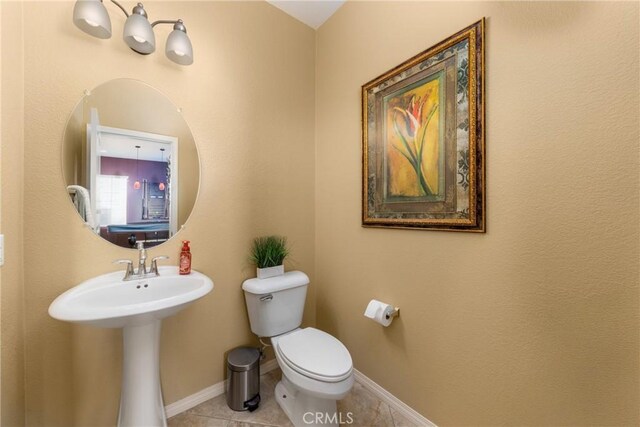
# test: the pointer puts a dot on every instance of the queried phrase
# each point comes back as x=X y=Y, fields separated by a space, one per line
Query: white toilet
x=316 y=367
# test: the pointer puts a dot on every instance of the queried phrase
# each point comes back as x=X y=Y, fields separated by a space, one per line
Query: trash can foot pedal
x=252 y=404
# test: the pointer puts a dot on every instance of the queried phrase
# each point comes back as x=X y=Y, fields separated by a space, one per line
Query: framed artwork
x=423 y=144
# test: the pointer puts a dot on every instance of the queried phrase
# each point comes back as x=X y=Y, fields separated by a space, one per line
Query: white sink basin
x=138 y=306
x=107 y=301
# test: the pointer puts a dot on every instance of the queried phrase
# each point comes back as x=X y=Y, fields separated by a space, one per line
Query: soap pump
x=185 y=258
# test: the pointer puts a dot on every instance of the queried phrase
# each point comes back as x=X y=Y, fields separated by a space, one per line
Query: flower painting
x=423 y=139
x=414 y=160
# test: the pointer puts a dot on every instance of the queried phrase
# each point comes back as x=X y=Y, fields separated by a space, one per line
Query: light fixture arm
x=177 y=24
x=120 y=6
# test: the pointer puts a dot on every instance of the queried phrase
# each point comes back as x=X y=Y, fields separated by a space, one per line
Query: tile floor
x=366 y=410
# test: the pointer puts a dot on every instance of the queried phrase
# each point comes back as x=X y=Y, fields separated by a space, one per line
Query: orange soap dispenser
x=185 y=258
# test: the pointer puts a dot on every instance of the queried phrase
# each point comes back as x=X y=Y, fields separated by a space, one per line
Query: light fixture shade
x=179 y=48
x=91 y=17
x=138 y=34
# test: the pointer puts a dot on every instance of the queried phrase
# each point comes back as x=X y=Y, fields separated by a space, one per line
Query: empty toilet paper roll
x=380 y=312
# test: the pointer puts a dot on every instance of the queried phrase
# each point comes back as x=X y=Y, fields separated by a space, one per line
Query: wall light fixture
x=91 y=17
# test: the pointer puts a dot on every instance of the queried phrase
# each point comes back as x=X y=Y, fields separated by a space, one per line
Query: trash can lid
x=243 y=359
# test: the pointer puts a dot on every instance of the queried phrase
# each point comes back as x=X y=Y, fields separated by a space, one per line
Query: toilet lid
x=316 y=354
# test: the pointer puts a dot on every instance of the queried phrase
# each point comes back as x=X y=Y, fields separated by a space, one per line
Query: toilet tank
x=275 y=305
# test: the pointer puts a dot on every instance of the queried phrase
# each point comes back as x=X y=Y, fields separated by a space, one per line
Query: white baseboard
x=395 y=403
x=216 y=390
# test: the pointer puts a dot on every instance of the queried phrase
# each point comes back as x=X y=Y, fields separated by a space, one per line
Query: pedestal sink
x=138 y=306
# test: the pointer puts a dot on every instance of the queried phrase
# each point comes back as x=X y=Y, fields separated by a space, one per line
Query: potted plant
x=268 y=254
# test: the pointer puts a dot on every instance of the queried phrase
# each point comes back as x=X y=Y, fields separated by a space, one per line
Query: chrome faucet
x=131 y=274
x=142 y=259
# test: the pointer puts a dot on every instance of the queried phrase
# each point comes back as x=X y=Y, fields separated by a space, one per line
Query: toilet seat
x=315 y=354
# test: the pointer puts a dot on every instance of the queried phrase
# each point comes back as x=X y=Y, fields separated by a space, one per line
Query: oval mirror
x=130 y=164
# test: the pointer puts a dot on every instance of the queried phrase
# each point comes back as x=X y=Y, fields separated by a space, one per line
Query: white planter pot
x=264 y=273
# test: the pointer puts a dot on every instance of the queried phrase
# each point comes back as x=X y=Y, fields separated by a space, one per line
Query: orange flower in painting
x=412 y=115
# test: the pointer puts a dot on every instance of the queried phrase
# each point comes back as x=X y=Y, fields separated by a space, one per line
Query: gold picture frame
x=423 y=139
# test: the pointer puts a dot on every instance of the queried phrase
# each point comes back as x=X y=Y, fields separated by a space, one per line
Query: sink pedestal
x=137 y=306
x=141 y=399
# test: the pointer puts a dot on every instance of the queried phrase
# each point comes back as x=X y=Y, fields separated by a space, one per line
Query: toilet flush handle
x=268 y=297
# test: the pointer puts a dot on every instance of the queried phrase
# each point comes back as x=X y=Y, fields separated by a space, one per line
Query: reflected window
x=111 y=199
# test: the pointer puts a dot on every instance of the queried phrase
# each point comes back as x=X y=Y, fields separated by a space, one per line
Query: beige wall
x=536 y=321
x=12 y=369
x=249 y=101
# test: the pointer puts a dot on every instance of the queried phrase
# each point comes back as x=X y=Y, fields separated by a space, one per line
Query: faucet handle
x=154 y=264
x=129 y=270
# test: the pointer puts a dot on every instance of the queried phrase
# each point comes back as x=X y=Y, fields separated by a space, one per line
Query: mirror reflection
x=130 y=164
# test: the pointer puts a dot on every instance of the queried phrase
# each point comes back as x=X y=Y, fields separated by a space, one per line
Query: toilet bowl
x=317 y=370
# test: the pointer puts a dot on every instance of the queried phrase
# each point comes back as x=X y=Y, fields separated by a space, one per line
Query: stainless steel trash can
x=243 y=379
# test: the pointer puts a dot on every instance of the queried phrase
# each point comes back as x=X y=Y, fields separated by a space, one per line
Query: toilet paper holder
x=392 y=314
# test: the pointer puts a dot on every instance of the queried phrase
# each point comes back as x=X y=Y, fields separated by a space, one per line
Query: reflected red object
x=161 y=186
x=136 y=185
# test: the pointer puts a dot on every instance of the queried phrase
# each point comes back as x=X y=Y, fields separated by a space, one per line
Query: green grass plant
x=269 y=251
